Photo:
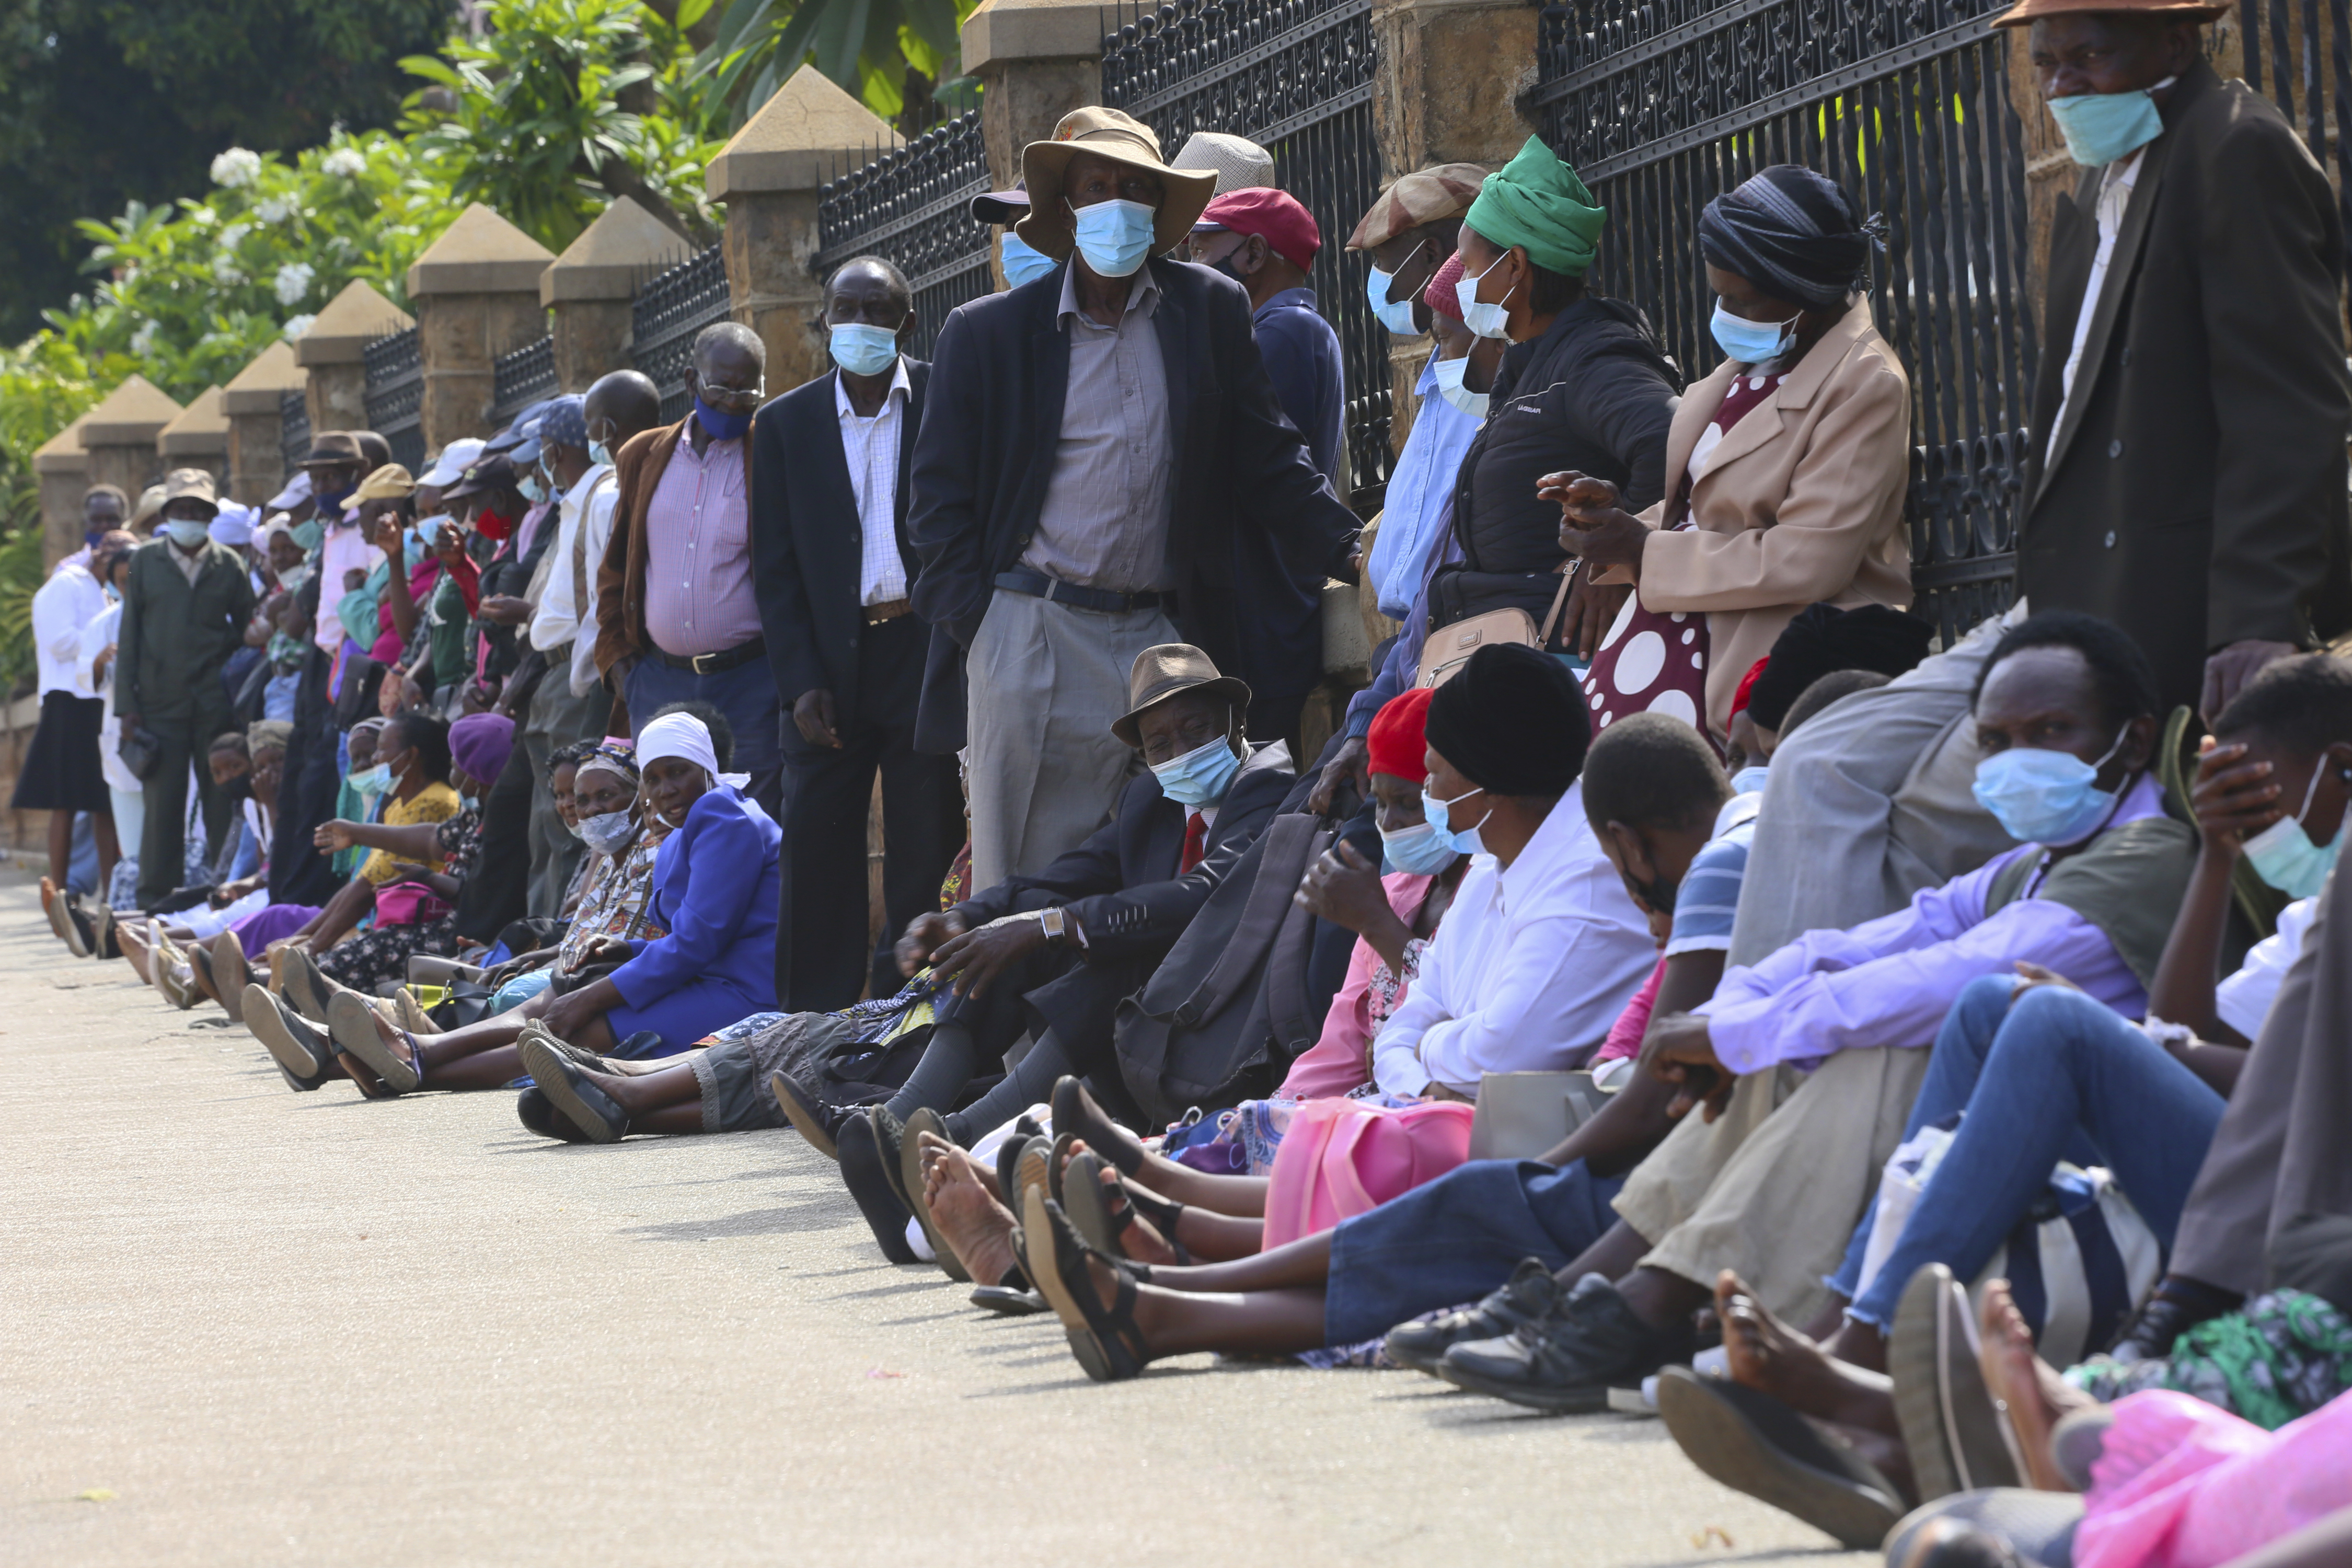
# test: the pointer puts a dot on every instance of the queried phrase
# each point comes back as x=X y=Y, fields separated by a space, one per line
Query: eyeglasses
x=733 y=396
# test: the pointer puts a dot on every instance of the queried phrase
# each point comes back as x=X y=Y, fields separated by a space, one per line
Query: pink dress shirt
x=699 y=597
x=1334 y=1064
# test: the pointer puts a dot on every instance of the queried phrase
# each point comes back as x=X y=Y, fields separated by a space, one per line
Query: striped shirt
x=1709 y=895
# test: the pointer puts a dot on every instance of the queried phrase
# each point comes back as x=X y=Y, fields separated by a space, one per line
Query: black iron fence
x=912 y=207
x=1663 y=104
x=395 y=396
x=293 y=429
x=521 y=377
x=1296 y=77
x=666 y=315
x=2299 y=54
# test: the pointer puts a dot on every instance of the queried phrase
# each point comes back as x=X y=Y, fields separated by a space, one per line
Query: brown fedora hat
x=2027 y=12
x=1161 y=672
x=1122 y=139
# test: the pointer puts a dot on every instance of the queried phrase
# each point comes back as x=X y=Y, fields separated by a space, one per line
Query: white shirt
x=62 y=606
x=586 y=509
x=2243 y=1000
x=343 y=548
x=96 y=638
x=2115 y=196
x=871 y=446
x=1529 y=964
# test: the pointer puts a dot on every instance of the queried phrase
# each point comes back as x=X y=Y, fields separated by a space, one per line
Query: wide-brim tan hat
x=1163 y=671
x=189 y=484
x=2027 y=12
x=1124 y=140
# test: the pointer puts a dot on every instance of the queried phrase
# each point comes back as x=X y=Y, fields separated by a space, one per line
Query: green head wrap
x=1537 y=201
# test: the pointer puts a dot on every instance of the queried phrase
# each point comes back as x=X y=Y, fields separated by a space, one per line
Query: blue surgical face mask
x=187 y=532
x=377 y=780
x=721 y=427
x=2101 y=127
x=607 y=832
x=1449 y=388
x=470 y=802
x=1199 y=777
x=2046 y=797
x=532 y=491
x=600 y=454
x=1115 y=236
x=1751 y=342
x=1463 y=840
x=1486 y=321
x=1024 y=262
x=1396 y=315
x=1419 y=850
x=2283 y=855
x=862 y=349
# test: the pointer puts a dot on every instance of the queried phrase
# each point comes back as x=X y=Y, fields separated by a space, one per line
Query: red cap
x=1396 y=742
x=1288 y=228
x=1748 y=684
x=1439 y=296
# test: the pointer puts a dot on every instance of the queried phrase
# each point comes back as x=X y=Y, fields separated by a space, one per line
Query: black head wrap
x=1823 y=638
x=1790 y=232
x=1511 y=721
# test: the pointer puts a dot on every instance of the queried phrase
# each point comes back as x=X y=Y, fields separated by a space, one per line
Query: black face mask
x=239 y=787
x=1225 y=264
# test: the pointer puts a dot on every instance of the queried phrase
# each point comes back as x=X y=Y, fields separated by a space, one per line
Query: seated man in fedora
x=1054 y=953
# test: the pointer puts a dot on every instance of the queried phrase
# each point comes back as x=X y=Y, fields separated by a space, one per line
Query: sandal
x=229 y=975
x=1107 y=1343
x=351 y=1023
x=1104 y=1214
x=287 y=1036
x=910 y=1176
x=1076 y=1114
x=1013 y=1302
x=1031 y=1168
x=1057 y=1163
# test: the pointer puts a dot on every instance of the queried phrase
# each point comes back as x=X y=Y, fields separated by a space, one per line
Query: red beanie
x=1748 y=684
x=1396 y=742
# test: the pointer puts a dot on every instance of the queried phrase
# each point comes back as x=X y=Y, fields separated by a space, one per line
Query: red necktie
x=1196 y=839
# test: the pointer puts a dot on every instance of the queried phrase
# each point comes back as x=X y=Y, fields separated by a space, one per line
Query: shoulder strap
x=1280 y=865
x=1559 y=600
x=584 y=609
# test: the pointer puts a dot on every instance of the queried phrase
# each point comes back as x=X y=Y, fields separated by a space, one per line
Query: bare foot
x=1139 y=1241
x=2027 y=1388
x=976 y=1227
x=1767 y=1356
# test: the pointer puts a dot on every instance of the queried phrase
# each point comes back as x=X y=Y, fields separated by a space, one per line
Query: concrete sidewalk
x=239 y=1325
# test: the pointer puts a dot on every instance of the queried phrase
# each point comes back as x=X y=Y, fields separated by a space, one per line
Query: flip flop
x=350 y=1022
x=307 y=985
x=1754 y=1444
x=53 y=906
x=1957 y=1439
x=588 y=1108
x=1096 y=1216
x=1033 y=1167
x=300 y=1051
x=1009 y=1301
x=230 y=975
x=200 y=969
x=862 y=1172
x=1076 y=1114
x=911 y=1178
x=1107 y=1343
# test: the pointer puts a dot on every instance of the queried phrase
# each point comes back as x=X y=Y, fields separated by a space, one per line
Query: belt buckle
x=695 y=664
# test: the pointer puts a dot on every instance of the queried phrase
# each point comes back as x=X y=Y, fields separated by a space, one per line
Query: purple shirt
x=698 y=595
x=1889 y=982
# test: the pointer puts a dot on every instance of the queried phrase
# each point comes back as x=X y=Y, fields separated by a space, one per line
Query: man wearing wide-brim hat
x=1097 y=441
x=2190 y=413
x=185 y=603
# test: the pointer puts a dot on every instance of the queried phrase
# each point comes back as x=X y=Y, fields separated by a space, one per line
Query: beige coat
x=1800 y=502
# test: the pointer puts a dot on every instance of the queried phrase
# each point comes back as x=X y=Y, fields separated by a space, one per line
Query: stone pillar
x=333 y=354
x=1036 y=60
x=64 y=469
x=198 y=438
x=257 y=448
x=119 y=436
x=587 y=289
x=476 y=290
x=768 y=175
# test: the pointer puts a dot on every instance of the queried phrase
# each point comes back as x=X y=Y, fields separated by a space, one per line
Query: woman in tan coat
x=1786 y=468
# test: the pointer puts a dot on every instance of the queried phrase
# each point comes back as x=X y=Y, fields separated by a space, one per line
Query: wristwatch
x=1051 y=922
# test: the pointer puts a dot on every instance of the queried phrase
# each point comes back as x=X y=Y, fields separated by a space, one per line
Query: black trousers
x=162 y=849
x=822 y=960
x=498 y=891
x=299 y=874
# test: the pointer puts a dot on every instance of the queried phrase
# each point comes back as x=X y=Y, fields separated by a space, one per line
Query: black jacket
x=1595 y=394
x=807 y=544
x=1122 y=885
x=2195 y=494
x=988 y=445
x=175 y=637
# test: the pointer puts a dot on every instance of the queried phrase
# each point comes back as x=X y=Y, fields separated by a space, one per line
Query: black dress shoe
x=862 y=1171
x=1566 y=1360
x=536 y=1112
x=2179 y=1305
x=819 y=1121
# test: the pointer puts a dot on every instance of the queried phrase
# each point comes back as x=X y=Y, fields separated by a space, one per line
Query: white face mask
x=1486 y=321
x=1449 y=388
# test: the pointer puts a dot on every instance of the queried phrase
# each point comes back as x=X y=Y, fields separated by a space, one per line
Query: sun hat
x=1124 y=140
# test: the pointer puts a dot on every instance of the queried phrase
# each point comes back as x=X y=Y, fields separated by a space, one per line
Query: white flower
x=237 y=167
x=296 y=327
x=344 y=163
x=226 y=272
x=143 y=339
x=234 y=234
x=293 y=282
x=273 y=209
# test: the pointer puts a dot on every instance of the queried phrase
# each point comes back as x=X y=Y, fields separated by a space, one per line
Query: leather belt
x=1037 y=586
x=712 y=663
x=888 y=610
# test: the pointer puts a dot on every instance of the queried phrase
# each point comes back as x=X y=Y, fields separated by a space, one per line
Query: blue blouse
x=716 y=890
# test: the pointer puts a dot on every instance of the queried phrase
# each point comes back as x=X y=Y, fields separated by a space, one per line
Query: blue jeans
x=2049 y=1075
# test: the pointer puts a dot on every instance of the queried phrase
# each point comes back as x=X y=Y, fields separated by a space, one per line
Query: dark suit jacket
x=176 y=635
x=990 y=436
x=1121 y=883
x=808 y=545
x=2195 y=494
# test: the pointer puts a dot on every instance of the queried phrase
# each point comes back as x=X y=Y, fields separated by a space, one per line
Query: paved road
x=242 y=1326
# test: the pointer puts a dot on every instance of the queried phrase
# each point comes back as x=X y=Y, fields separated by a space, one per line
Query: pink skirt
x=1344 y=1157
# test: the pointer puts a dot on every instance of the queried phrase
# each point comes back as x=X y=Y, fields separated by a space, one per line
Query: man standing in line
x=829 y=547
x=185 y=610
x=62 y=772
x=1095 y=442
x=676 y=617
x=337 y=546
x=2192 y=406
x=1266 y=242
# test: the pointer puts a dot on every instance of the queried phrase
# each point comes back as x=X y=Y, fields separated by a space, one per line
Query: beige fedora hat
x=1123 y=139
x=1161 y=672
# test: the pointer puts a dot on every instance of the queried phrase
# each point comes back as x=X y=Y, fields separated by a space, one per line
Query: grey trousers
x=1869 y=802
x=556 y=720
x=1046 y=680
x=2281 y=1150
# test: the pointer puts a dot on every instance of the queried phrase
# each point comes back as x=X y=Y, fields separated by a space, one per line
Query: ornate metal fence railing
x=912 y=206
x=665 y=316
x=395 y=396
x=1295 y=76
x=521 y=377
x=1663 y=104
x=2299 y=54
x=293 y=427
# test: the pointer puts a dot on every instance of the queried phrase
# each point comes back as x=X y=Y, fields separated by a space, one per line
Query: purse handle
x=1559 y=602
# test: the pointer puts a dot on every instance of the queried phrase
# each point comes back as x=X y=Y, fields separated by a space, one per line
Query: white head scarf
x=686 y=737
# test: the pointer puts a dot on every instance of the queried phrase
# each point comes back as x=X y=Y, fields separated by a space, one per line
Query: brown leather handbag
x=1448 y=648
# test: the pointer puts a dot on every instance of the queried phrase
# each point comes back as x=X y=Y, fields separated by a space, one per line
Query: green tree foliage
x=899 y=56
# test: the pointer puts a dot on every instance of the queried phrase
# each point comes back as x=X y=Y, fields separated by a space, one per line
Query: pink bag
x=1344 y=1157
x=407 y=904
